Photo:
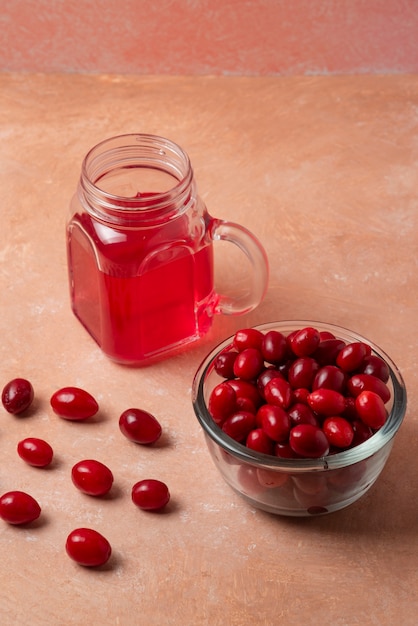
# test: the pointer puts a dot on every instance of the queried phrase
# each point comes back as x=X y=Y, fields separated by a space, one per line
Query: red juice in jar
x=135 y=301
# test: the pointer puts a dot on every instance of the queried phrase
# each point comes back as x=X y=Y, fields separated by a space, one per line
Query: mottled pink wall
x=249 y=37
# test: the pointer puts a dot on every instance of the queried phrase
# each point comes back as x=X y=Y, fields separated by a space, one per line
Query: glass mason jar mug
x=140 y=253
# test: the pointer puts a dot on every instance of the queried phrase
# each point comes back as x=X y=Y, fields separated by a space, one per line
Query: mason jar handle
x=222 y=230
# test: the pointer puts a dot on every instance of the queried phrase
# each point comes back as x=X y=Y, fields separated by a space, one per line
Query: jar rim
x=134 y=150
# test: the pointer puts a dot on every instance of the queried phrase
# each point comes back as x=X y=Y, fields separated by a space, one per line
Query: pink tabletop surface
x=324 y=171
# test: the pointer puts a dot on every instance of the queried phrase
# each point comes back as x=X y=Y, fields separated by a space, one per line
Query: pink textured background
x=238 y=37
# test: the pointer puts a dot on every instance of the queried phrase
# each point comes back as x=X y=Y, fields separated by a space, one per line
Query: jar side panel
x=84 y=280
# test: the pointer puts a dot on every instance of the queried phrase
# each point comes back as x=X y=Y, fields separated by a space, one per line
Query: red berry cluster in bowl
x=306 y=394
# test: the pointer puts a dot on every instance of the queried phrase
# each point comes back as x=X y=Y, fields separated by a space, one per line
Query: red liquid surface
x=138 y=294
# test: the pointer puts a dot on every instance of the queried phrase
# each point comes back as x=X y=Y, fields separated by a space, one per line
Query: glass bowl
x=299 y=487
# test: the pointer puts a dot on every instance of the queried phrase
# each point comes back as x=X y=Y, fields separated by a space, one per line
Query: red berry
x=368 y=382
x=352 y=355
x=361 y=431
x=302 y=372
x=338 y=431
x=265 y=377
x=274 y=421
x=308 y=441
x=274 y=347
x=36 y=452
x=247 y=405
x=371 y=409
x=301 y=395
x=238 y=425
x=330 y=377
x=326 y=401
x=279 y=392
x=246 y=389
x=88 y=547
x=375 y=366
x=248 y=338
x=300 y=413
x=73 y=403
x=17 y=395
x=139 y=426
x=328 y=350
x=305 y=341
x=92 y=477
x=224 y=364
x=248 y=364
x=150 y=494
x=284 y=451
x=18 y=507
x=258 y=441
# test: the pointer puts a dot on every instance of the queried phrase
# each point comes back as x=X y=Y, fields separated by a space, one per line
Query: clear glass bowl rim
x=334 y=461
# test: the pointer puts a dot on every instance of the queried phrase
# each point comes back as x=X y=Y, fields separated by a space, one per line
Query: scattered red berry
x=18 y=507
x=140 y=426
x=150 y=494
x=17 y=395
x=73 y=403
x=36 y=452
x=88 y=547
x=92 y=477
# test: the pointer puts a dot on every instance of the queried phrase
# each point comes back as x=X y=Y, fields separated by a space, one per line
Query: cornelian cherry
x=275 y=422
x=238 y=425
x=326 y=401
x=73 y=403
x=224 y=364
x=150 y=494
x=352 y=356
x=308 y=441
x=248 y=364
x=17 y=395
x=371 y=409
x=305 y=341
x=279 y=392
x=338 y=431
x=248 y=338
x=259 y=441
x=88 y=547
x=34 y=451
x=18 y=507
x=92 y=477
x=368 y=382
x=140 y=426
x=274 y=347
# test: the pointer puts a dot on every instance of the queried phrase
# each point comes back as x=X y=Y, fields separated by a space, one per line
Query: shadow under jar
x=299 y=487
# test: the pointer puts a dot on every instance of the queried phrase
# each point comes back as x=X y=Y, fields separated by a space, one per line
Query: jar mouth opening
x=136 y=173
